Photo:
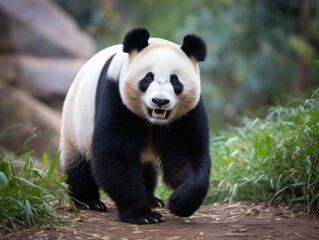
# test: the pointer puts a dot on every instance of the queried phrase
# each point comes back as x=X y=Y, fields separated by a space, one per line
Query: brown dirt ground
x=218 y=221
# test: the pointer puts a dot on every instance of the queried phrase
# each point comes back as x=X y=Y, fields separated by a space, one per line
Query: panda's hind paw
x=148 y=218
x=95 y=205
x=157 y=203
x=80 y=206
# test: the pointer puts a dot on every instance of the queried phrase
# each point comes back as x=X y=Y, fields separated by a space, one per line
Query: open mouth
x=159 y=113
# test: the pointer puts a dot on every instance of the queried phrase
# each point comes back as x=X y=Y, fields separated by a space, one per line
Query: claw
x=147 y=218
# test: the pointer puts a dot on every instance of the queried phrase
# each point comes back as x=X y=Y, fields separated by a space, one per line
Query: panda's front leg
x=122 y=178
x=189 y=176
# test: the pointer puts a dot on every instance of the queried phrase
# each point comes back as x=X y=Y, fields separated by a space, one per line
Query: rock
x=45 y=78
x=39 y=27
x=18 y=107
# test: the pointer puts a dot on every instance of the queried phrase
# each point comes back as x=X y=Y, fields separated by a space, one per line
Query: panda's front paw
x=187 y=199
x=146 y=218
x=156 y=202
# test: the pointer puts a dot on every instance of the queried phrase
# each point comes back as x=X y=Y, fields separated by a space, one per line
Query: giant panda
x=134 y=109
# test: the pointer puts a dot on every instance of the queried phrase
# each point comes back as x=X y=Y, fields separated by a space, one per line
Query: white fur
x=79 y=106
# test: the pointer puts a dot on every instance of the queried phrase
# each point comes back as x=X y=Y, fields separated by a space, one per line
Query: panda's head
x=160 y=80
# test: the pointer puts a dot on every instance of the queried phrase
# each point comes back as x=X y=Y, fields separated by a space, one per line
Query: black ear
x=194 y=46
x=136 y=39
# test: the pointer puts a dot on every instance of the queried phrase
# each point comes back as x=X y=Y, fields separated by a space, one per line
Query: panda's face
x=160 y=83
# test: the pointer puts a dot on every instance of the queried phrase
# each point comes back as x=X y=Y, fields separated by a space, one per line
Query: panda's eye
x=174 y=79
x=149 y=77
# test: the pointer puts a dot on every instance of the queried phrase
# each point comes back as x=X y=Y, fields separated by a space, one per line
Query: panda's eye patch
x=146 y=81
x=177 y=85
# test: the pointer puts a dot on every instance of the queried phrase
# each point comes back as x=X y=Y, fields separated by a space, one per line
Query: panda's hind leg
x=83 y=189
x=150 y=178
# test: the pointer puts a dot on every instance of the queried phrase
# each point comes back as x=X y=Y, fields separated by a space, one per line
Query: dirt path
x=237 y=221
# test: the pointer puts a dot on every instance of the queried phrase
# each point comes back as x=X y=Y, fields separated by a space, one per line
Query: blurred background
x=260 y=53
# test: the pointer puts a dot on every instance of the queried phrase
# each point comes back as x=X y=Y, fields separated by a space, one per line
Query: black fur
x=84 y=191
x=194 y=46
x=185 y=160
x=150 y=177
x=136 y=39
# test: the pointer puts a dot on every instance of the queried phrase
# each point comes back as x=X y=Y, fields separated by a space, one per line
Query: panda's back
x=79 y=106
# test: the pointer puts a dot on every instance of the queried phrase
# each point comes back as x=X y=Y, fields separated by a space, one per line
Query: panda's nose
x=160 y=102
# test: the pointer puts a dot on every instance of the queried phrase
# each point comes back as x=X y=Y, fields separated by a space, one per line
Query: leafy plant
x=28 y=194
x=273 y=159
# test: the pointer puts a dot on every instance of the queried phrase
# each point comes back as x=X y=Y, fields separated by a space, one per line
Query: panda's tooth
x=164 y=114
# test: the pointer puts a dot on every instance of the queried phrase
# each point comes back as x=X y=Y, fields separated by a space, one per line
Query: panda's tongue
x=158 y=113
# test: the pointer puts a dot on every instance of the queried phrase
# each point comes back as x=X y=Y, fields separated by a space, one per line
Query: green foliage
x=302 y=48
x=28 y=194
x=273 y=159
x=162 y=191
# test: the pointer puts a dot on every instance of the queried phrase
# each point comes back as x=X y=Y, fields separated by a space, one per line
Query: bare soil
x=218 y=221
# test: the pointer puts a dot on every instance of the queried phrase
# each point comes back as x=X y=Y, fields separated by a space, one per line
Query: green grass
x=27 y=194
x=273 y=159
